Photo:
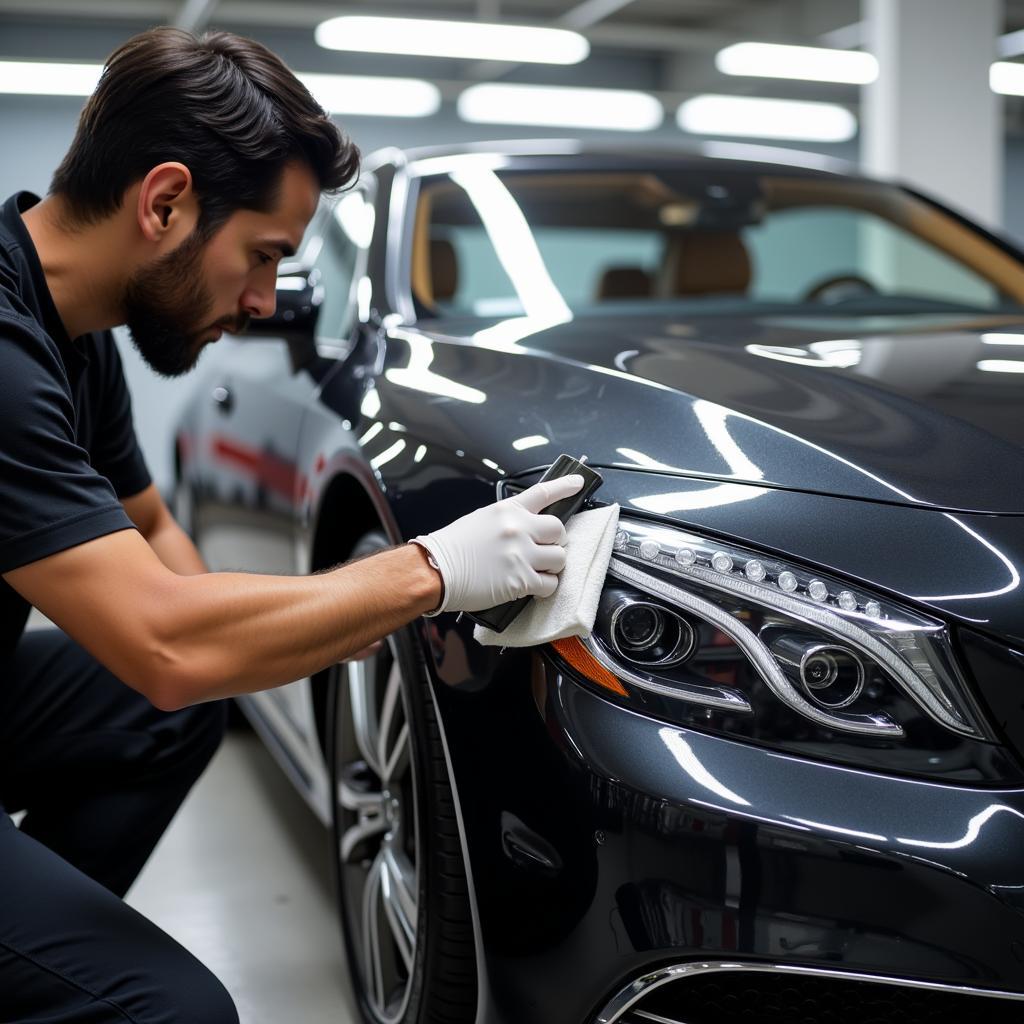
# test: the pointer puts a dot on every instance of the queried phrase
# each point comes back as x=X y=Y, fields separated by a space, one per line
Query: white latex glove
x=502 y=551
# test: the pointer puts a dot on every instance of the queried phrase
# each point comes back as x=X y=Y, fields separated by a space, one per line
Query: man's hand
x=503 y=551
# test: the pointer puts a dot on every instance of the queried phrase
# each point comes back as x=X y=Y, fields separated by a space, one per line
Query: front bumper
x=651 y=845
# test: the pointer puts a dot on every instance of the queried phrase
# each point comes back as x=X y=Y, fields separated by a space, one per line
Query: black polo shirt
x=68 y=451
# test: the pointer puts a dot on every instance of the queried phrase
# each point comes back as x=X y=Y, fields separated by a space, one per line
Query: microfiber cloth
x=572 y=608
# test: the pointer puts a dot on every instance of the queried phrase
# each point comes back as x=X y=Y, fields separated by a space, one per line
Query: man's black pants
x=100 y=773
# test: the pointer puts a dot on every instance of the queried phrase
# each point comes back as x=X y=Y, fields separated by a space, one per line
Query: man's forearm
x=236 y=633
x=174 y=547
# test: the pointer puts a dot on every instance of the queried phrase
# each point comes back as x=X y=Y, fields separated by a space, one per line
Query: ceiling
x=663 y=46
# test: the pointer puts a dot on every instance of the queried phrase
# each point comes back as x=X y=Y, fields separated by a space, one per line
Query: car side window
x=341 y=262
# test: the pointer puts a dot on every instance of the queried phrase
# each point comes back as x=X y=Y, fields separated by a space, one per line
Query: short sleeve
x=51 y=497
x=114 y=450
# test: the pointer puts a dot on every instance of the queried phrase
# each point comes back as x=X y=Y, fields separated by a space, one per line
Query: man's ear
x=167 y=205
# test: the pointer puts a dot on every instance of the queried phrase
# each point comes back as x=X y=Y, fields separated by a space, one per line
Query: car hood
x=914 y=410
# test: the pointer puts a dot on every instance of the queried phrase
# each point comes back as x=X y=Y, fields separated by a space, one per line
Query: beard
x=166 y=307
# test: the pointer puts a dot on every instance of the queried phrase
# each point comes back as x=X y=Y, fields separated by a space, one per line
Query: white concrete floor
x=242 y=879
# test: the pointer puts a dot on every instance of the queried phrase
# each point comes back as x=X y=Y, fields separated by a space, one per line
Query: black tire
x=378 y=834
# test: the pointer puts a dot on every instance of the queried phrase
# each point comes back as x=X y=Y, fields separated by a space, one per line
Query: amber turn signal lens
x=571 y=649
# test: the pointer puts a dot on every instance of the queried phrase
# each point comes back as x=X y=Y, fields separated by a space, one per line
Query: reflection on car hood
x=912 y=410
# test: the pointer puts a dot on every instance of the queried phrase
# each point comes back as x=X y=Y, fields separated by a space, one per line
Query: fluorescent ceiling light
x=1003 y=339
x=1006 y=78
x=469 y=40
x=38 y=78
x=768 y=119
x=560 y=106
x=1001 y=365
x=807 y=63
x=337 y=94
x=373 y=96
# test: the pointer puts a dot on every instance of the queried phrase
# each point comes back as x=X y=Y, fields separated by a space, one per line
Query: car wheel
x=401 y=881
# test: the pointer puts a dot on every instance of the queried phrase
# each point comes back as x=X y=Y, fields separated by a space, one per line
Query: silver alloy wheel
x=378 y=815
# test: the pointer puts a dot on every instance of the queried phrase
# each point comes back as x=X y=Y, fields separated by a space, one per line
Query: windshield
x=495 y=244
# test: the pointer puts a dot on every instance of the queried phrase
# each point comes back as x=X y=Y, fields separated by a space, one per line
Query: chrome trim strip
x=643 y=986
x=868 y=725
x=397 y=298
x=642 y=1015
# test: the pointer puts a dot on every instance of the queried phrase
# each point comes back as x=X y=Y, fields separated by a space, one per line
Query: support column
x=931 y=119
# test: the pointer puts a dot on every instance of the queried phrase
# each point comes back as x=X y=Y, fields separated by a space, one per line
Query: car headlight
x=717 y=636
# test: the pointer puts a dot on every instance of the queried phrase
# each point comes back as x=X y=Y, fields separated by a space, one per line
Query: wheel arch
x=350 y=507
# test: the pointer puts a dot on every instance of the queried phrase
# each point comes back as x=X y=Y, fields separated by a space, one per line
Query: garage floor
x=242 y=879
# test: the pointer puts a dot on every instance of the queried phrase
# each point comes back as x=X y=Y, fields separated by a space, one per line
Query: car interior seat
x=705 y=263
x=625 y=283
x=444 y=270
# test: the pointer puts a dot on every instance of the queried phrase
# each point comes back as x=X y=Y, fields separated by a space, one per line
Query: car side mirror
x=299 y=296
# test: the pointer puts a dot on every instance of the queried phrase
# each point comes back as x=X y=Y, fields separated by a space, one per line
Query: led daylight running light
x=755 y=571
x=805 y=63
x=721 y=562
x=467 y=40
x=560 y=107
x=787 y=582
x=756 y=117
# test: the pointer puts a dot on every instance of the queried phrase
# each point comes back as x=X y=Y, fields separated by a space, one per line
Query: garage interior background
x=932 y=117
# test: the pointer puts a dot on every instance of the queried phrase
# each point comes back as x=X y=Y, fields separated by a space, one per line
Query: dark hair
x=223 y=105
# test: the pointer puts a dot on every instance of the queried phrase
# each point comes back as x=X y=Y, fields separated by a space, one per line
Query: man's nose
x=260 y=303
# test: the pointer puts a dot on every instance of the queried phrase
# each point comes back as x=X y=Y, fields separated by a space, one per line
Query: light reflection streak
x=1002 y=339
x=838 y=829
x=371 y=433
x=513 y=242
x=388 y=454
x=1014 y=574
x=506 y=335
x=841 y=353
x=713 y=419
x=974 y=827
x=355 y=217
x=691 y=764
x=370 y=404
x=622 y=357
x=533 y=441
x=732 y=812
x=419 y=377
x=690 y=501
x=1011 y=568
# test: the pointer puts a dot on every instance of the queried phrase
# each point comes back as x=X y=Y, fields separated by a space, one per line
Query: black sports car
x=783 y=780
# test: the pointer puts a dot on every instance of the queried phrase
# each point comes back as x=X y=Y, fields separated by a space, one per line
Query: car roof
x=742 y=157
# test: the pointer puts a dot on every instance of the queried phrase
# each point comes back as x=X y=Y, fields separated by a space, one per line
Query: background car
x=782 y=780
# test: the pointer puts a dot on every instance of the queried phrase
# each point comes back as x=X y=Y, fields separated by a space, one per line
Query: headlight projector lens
x=644 y=633
x=831 y=676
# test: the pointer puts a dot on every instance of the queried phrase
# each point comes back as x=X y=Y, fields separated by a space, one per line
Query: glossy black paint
x=602 y=841
x=914 y=422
